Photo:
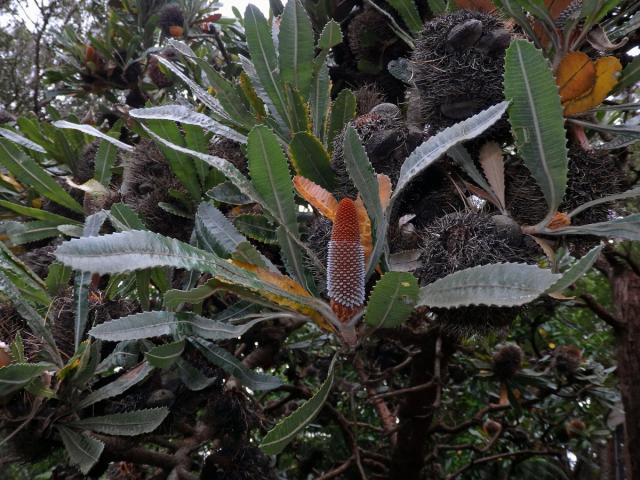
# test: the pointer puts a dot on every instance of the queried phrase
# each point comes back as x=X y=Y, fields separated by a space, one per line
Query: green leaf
x=164 y=356
x=57 y=278
x=330 y=36
x=577 y=270
x=536 y=119
x=257 y=227
x=432 y=149
x=632 y=193
x=226 y=93
x=156 y=324
x=84 y=451
x=16 y=376
x=500 y=285
x=627 y=228
x=200 y=93
x=125 y=424
x=193 y=378
x=104 y=161
x=284 y=432
x=124 y=218
x=226 y=192
x=409 y=14
x=34 y=320
x=295 y=47
x=230 y=364
x=94 y=132
x=28 y=172
x=365 y=180
x=342 y=111
x=182 y=114
x=264 y=57
x=391 y=300
x=270 y=177
x=437 y=7
x=20 y=140
x=320 y=100
x=118 y=386
x=215 y=232
x=311 y=160
x=630 y=75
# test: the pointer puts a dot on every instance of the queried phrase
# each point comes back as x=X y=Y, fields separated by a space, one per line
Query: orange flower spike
x=345 y=262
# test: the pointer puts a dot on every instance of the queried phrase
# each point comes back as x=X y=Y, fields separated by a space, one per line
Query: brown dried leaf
x=384 y=190
x=492 y=165
x=607 y=73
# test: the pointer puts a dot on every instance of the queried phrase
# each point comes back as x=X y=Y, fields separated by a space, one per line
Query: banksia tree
x=285 y=255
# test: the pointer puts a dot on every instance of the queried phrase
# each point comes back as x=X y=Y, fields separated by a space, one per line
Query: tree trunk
x=626 y=293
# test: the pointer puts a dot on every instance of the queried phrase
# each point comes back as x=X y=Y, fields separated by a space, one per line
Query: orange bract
x=575 y=76
x=317 y=196
x=559 y=220
x=607 y=72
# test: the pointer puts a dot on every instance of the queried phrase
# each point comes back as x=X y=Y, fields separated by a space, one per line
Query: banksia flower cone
x=345 y=262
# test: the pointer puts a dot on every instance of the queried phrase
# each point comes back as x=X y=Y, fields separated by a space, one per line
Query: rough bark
x=626 y=292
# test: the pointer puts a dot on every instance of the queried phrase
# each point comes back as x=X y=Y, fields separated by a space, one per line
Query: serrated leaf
x=193 y=378
x=500 y=285
x=16 y=376
x=330 y=36
x=343 y=110
x=432 y=149
x=230 y=364
x=310 y=159
x=124 y=218
x=285 y=431
x=256 y=227
x=182 y=114
x=295 y=47
x=164 y=356
x=627 y=228
x=84 y=451
x=630 y=75
x=125 y=424
x=632 y=193
x=215 y=232
x=34 y=320
x=227 y=192
x=156 y=324
x=264 y=57
x=320 y=100
x=409 y=14
x=57 y=278
x=392 y=300
x=577 y=270
x=536 y=119
x=28 y=172
x=94 y=132
x=118 y=386
x=270 y=177
x=365 y=180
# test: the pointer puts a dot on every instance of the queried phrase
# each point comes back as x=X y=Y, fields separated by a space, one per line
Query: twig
x=601 y=312
x=500 y=456
x=338 y=470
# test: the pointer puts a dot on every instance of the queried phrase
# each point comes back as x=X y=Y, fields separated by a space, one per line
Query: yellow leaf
x=575 y=76
x=607 y=73
x=384 y=190
x=366 y=240
x=288 y=285
x=317 y=196
x=12 y=181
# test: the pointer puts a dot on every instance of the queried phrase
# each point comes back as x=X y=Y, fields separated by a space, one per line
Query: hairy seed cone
x=345 y=262
x=507 y=360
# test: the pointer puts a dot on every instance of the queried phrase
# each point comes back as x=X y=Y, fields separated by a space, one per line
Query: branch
x=601 y=312
x=500 y=456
